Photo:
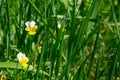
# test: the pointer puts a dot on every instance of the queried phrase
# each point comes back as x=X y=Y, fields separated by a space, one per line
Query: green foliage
x=86 y=46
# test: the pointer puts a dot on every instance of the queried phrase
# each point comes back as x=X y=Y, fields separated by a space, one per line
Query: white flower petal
x=20 y=55
x=32 y=23
x=59 y=24
x=27 y=23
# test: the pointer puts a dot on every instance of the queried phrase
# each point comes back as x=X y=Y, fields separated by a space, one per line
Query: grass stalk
x=8 y=30
x=94 y=51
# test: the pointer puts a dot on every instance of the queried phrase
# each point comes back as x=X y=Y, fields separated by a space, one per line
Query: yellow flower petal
x=3 y=77
x=31 y=30
x=23 y=62
x=27 y=28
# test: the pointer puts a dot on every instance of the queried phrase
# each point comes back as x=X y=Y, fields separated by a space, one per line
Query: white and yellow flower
x=31 y=27
x=59 y=25
x=3 y=77
x=22 y=59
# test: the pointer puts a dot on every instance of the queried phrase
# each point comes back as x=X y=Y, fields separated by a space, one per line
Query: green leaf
x=13 y=65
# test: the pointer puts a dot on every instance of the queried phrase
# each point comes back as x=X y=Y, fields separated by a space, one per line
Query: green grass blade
x=59 y=57
x=44 y=21
x=115 y=57
x=94 y=51
x=8 y=29
x=97 y=70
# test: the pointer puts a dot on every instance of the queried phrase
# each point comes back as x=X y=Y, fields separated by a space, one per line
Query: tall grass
x=84 y=47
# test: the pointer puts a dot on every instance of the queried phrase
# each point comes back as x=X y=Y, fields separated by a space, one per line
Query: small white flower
x=59 y=24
